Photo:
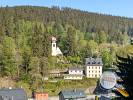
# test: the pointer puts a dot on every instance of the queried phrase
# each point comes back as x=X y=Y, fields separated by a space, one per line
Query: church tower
x=54 y=46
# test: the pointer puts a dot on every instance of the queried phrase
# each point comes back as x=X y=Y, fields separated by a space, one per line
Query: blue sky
x=113 y=7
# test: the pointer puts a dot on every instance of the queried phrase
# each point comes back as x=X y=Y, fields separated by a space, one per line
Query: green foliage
x=44 y=66
x=25 y=86
x=40 y=41
x=92 y=47
x=8 y=56
x=71 y=45
x=25 y=41
x=106 y=57
x=34 y=66
x=52 y=61
x=82 y=43
x=55 y=88
x=88 y=36
x=102 y=37
x=125 y=65
x=26 y=54
x=74 y=59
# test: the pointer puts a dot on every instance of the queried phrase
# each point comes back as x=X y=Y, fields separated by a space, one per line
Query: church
x=55 y=49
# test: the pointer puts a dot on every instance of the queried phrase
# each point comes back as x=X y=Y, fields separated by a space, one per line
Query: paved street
x=89 y=97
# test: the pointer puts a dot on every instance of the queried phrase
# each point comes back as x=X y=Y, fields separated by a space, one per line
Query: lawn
x=53 y=88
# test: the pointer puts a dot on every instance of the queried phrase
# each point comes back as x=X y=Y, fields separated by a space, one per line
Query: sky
x=112 y=7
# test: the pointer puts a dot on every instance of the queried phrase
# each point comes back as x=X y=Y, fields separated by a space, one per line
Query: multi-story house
x=93 y=67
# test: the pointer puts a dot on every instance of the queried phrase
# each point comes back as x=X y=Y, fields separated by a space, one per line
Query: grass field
x=53 y=88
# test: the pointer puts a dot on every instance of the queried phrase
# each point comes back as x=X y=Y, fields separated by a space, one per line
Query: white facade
x=93 y=71
x=78 y=72
x=55 y=50
x=93 y=67
x=74 y=74
x=73 y=77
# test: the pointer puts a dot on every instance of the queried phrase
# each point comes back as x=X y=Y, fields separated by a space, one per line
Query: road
x=89 y=97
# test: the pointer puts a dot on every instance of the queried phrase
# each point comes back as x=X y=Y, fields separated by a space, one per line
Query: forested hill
x=25 y=41
x=81 y=20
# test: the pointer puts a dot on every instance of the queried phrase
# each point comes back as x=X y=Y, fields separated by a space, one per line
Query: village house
x=12 y=94
x=75 y=70
x=93 y=67
x=40 y=96
x=57 y=73
x=72 y=95
x=74 y=74
x=54 y=74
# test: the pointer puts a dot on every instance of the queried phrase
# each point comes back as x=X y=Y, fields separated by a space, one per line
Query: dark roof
x=93 y=61
x=76 y=68
x=67 y=94
x=15 y=94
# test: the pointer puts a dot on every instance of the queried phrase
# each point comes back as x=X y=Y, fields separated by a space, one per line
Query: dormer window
x=94 y=62
x=98 y=63
x=88 y=62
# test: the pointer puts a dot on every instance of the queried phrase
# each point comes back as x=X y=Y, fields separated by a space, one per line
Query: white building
x=77 y=71
x=73 y=77
x=55 y=50
x=74 y=74
x=93 y=67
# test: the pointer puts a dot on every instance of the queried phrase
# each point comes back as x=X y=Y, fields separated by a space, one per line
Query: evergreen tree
x=102 y=37
x=8 y=57
x=71 y=45
x=40 y=41
x=126 y=73
x=125 y=65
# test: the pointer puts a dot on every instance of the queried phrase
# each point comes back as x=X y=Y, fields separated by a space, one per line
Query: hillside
x=81 y=20
x=25 y=41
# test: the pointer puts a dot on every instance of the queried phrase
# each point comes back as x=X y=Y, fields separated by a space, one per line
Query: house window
x=95 y=75
x=96 y=67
